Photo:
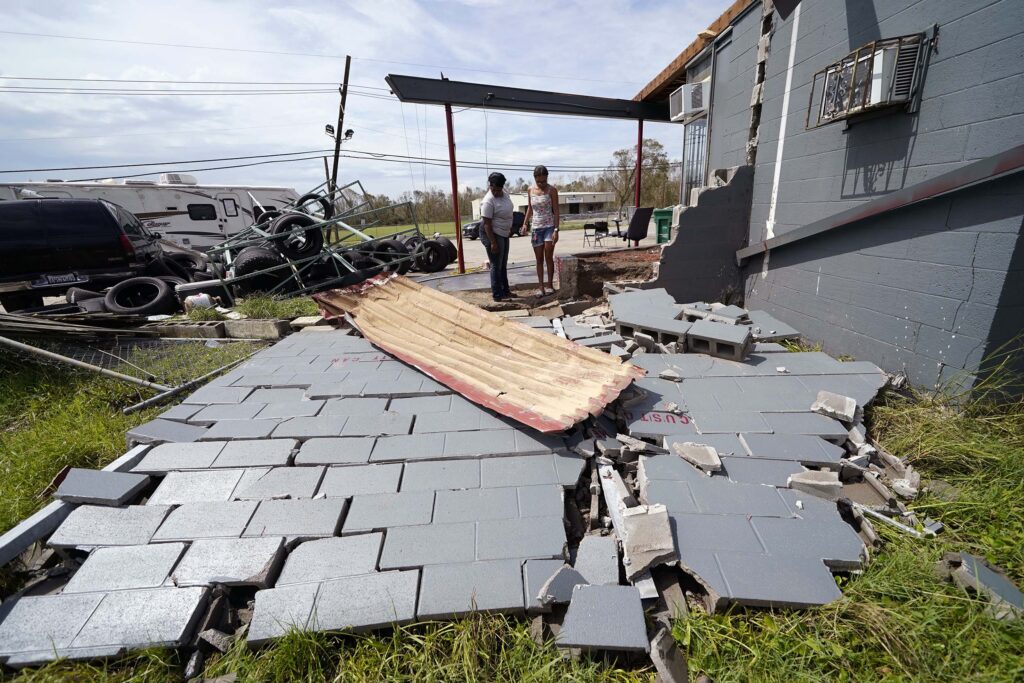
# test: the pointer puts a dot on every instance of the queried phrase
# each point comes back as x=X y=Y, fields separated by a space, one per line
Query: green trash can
x=663 y=224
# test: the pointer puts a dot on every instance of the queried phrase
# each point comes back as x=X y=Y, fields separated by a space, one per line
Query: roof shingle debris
x=356 y=492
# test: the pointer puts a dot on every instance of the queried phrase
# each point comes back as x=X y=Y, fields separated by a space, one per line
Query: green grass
x=896 y=621
x=276 y=308
x=204 y=315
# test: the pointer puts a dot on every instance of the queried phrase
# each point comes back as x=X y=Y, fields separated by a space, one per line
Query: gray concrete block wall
x=931 y=289
x=972 y=105
x=735 y=69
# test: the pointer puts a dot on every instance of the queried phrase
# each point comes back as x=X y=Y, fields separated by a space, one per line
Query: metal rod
x=79 y=364
x=338 y=132
x=159 y=398
x=455 y=184
x=902 y=527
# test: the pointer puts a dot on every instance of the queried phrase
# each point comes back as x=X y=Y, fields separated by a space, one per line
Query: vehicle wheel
x=141 y=296
x=315 y=205
x=20 y=300
x=202 y=276
x=431 y=257
x=453 y=251
x=261 y=216
x=393 y=250
x=187 y=261
x=413 y=241
x=163 y=265
x=299 y=245
x=75 y=295
x=254 y=259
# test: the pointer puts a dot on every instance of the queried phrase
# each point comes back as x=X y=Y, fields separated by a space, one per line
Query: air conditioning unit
x=689 y=100
x=177 y=179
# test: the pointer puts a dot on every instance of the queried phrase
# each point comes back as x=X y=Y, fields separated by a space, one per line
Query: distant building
x=569 y=203
x=857 y=170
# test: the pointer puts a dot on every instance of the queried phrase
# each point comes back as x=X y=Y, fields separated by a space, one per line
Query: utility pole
x=338 y=132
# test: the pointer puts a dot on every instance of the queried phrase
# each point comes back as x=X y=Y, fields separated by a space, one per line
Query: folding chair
x=589 y=233
x=600 y=232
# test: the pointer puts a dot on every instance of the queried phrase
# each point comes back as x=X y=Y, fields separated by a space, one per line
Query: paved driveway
x=569 y=242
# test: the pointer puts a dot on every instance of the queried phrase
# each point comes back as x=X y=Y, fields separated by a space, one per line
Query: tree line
x=660 y=180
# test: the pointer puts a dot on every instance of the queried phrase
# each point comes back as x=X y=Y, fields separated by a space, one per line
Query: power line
x=169 y=93
x=191 y=131
x=132 y=80
x=308 y=54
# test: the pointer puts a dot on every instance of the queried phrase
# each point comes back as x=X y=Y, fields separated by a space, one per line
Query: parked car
x=472 y=230
x=50 y=245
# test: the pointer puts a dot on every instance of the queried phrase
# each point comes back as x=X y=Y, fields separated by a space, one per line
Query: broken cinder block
x=840 y=407
x=821 y=483
x=974 y=574
x=699 y=455
x=647 y=538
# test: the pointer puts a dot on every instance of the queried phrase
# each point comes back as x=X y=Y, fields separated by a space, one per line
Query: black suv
x=49 y=245
x=472 y=230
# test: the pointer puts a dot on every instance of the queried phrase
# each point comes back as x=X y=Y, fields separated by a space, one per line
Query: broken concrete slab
x=648 y=540
x=297 y=519
x=529 y=537
x=605 y=618
x=231 y=562
x=452 y=590
x=824 y=537
x=90 y=526
x=749 y=470
x=378 y=511
x=441 y=474
x=125 y=567
x=975 y=575
x=159 y=431
x=261 y=453
x=822 y=483
x=810 y=450
x=535 y=574
x=350 y=480
x=558 y=589
x=85 y=625
x=700 y=532
x=597 y=560
x=382 y=424
x=413 y=546
x=231 y=430
x=279 y=610
x=699 y=455
x=97 y=487
x=169 y=457
x=767 y=328
x=355 y=406
x=210 y=395
x=812 y=424
x=369 y=601
x=196 y=487
x=833 y=405
x=212 y=414
x=335 y=451
x=303 y=428
x=279 y=482
x=191 y=521
x=472 y=505
x=760 y=580
x=287 y=409
x=331 y=558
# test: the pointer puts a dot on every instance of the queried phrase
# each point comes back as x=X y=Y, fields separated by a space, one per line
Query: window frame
x=193 y=209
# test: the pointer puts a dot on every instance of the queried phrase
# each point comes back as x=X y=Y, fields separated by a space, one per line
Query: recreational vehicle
x=183 y=211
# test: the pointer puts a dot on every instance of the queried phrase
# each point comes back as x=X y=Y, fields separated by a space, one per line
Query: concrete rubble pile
x=325 y=485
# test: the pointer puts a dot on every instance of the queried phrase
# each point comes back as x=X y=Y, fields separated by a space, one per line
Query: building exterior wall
x=930 y=289
x=570 y=203
x=735 y=69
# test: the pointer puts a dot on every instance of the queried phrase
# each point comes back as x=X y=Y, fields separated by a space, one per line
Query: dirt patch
x=627 y=265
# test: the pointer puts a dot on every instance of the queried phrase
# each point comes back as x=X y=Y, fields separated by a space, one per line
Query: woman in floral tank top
x=542 y=219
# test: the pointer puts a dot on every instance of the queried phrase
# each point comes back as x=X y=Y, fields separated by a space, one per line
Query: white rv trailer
x=183 y=211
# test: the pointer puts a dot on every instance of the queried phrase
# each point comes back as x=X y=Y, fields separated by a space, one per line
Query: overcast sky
x=594 y=47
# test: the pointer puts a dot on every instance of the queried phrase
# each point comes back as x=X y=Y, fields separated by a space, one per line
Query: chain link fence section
x=170 y=362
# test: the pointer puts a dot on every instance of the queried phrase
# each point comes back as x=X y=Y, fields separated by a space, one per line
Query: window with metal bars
x=695 y=156
x=881 y=74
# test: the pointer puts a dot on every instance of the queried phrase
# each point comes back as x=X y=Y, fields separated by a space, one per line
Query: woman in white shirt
x=496 y=214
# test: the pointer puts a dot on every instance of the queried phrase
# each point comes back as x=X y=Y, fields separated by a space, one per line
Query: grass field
x=896 y=621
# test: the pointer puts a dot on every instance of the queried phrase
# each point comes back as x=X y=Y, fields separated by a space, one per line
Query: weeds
x=273 y=308
x=204 y=315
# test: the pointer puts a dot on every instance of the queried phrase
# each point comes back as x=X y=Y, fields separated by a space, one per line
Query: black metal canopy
x=443 y=91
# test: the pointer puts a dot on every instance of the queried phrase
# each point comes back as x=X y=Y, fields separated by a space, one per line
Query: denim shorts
x=541 y=235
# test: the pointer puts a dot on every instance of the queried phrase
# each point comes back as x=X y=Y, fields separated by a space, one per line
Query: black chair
x=600 y=232
x=638 y=224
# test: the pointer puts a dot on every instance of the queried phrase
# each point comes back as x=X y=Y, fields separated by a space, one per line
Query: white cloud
x=599 y=47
